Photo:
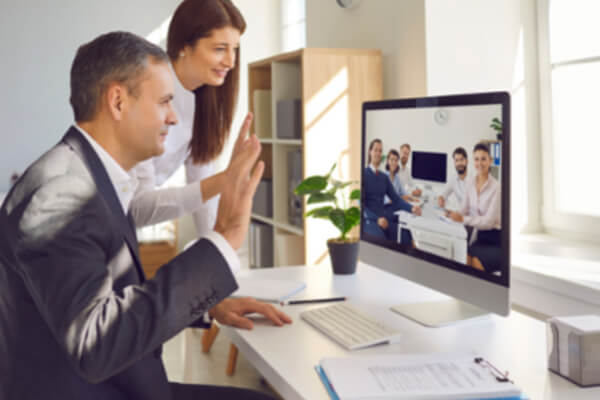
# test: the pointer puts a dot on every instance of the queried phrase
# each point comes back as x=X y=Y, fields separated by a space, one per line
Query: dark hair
x=215 y=106
x=405 y=145
x=461 y=151
x=371 y=148
x=113 y=57
x=387 y=164
x=482 y=147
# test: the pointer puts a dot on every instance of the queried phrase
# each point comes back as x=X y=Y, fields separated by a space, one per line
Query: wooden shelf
x=291 y=142
x=290 y=228
x=331 y=85
x=266 y=220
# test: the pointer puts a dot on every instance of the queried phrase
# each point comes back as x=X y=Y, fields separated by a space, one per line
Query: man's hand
x=441 y=201
x=417 y=192
x=231 y=312
x=454 y=216
x=382 y=222
x=417 y=210
x=235 y=204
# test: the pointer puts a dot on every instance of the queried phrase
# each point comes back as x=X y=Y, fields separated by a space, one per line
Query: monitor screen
x=435 y=187
x=429 y=166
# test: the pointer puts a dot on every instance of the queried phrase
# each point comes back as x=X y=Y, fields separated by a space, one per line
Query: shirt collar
x=123 y=183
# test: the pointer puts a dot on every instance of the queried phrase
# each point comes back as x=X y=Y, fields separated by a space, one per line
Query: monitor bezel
x=472 y=99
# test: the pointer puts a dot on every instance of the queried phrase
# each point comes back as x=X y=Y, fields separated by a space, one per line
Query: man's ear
x=116 y=96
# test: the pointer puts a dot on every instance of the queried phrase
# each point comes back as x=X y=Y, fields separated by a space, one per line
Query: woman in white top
x=203 y=45
x=392 y=169
x=481 y=209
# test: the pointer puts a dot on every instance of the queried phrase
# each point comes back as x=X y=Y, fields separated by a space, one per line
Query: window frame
x=570 y=225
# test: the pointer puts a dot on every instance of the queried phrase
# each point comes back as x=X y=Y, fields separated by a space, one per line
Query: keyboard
x=349 y=327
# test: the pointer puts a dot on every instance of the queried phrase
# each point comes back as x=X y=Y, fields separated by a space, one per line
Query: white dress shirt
x=456 y=186
x=405 y=177
x=171 y=203
x=125 y=184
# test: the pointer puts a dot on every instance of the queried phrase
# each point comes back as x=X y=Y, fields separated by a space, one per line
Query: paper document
x=414 y=377
x=269 y=290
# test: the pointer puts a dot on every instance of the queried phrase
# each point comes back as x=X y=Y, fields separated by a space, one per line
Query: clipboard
x=355 y=389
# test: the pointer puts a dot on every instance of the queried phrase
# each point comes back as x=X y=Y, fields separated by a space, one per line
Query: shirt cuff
x=206 y=318
x=226 y=250
x=191 y=197
x=467 y=220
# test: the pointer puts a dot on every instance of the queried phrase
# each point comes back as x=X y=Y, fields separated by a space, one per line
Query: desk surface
x=286 y=356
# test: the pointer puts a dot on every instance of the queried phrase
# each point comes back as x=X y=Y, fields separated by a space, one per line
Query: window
x=293 y=22
x=569 y=60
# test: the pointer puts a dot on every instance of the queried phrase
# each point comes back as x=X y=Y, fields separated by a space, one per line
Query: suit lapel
x=80 y=145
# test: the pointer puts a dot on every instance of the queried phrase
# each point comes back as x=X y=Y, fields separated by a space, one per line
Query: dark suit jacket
x=78 y=320
x=375 y=187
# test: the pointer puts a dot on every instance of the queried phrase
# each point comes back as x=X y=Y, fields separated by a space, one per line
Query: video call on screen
x=444 y=166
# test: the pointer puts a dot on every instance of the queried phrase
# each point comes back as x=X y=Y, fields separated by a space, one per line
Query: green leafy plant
x=497 y=126
x=324 y=189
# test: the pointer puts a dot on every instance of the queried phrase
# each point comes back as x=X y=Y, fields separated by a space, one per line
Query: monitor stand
x=436 y=314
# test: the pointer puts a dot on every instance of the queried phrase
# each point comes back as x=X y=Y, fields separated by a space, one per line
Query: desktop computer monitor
x=449 y=228
x=429 y=166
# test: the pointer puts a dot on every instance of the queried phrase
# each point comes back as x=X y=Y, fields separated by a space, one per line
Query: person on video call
x=481 y=210
x=391 y=170
x=379 y=217
x=404 y=172
x=456 y=185
x=77 y=314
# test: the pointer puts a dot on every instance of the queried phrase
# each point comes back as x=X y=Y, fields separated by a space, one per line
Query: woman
x=481 y=209
x=203 y=45
x=380 y=220
x=392 y=168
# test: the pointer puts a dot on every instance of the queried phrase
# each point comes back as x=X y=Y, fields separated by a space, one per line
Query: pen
x=292 y=302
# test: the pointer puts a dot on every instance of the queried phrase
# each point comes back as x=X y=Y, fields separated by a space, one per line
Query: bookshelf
x=307 y=106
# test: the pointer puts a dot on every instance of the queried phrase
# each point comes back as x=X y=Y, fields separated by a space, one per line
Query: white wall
x=396 y=27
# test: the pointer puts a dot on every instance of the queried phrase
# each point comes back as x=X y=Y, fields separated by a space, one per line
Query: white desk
x=286 y=356
x=435 y=234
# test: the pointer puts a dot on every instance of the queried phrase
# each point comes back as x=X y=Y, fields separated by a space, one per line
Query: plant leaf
x=320 y=198
x=312 y=184
x=355 y=195
x=352 y=218
x=339 y=184
x=331 y=170
x=338 y=217
x=321 y=212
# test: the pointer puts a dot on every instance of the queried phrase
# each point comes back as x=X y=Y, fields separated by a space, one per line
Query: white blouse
x=170 y=203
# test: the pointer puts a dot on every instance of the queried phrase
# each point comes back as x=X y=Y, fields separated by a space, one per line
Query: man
x=78 y=320
x=456 y=185
x=404 y=170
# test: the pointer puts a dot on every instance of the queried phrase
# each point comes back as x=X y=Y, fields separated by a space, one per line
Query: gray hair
x=120 y=57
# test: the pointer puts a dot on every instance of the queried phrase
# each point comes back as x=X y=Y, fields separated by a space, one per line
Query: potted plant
x=497 y=126
x=334 y=202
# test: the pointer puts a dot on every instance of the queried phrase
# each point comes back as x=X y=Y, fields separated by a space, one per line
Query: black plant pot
x=344 y=256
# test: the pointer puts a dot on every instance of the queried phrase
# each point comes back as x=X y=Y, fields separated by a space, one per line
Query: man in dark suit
x=379 y=218
x=78 y=319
